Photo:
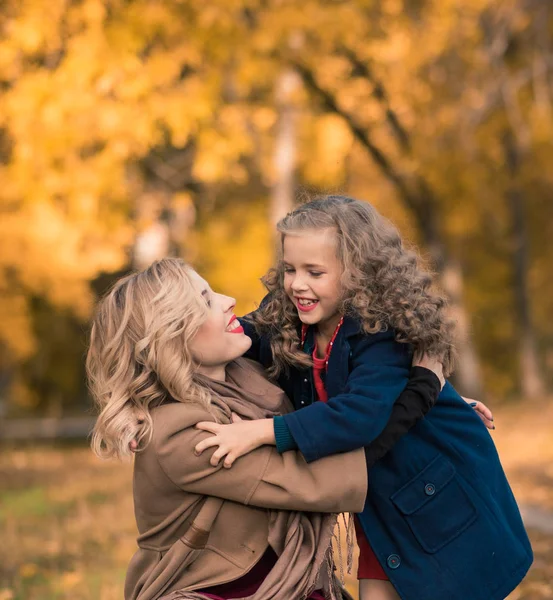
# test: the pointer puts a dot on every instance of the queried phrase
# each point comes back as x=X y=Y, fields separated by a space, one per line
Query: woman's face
x=220 y=339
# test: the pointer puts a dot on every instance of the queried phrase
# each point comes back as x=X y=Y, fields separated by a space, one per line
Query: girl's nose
x=298 y=284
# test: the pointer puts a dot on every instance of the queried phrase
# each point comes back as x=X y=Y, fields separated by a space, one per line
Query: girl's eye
x=288 y=270
x=315 y=273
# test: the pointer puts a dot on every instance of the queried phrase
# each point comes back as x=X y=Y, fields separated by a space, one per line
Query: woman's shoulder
x=173 y=417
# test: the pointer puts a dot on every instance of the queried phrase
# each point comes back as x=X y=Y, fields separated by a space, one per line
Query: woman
x=164 y=355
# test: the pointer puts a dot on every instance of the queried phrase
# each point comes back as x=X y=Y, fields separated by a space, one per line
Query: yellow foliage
x=93 y=94
x=236 y=249
x=327 y=152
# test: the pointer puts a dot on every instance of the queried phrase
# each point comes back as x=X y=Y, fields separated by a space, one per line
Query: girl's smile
x=305 y=304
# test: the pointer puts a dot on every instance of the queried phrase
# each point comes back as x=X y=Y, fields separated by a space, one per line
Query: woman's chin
x=243 y=344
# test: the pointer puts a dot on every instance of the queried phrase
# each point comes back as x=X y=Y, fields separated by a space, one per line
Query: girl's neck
x=324 y=332
x=325 y=329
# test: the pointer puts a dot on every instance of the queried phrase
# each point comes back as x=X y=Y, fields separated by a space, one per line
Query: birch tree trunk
x=283 y=191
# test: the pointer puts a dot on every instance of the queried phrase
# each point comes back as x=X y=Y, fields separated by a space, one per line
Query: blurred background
x=136 y=129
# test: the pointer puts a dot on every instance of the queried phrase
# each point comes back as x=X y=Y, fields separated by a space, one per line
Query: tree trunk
x=283 y=191
x=467 y=376
x=531 y=379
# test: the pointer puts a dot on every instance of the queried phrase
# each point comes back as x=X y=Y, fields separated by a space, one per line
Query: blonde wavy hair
x=382 y=285
x=138 y=355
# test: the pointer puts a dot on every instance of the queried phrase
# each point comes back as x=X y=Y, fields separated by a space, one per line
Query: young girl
x=348 y=307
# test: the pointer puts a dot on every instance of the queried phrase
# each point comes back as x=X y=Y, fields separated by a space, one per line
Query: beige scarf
x=301 y=540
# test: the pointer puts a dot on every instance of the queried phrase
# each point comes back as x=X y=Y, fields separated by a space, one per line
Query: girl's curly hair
x=382 y=285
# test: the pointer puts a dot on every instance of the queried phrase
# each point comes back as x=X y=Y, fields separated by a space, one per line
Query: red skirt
x=369 y=567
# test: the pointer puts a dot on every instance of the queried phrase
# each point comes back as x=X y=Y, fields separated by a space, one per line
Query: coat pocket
x=435 y=506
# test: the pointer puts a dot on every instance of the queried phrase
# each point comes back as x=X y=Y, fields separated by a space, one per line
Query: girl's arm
x=264 y=478
x=357 y=417
x=366 y=414
x=241 y=437
x=375 y=411
x=354 y=419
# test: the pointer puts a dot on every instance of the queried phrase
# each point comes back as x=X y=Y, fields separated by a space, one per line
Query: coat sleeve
x=358 y=416
x=254 y=353
x=262 y=478
x=257 y=351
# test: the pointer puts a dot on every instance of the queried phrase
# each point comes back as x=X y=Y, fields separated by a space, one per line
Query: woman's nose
x=230 y=303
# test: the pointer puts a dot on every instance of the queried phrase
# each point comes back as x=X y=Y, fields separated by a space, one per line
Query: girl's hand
x=483 y=412
x=432 y=363
x=236 y=439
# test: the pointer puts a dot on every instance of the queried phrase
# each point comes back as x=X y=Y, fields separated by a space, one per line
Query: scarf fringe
x=350 y=540
x=348 y=524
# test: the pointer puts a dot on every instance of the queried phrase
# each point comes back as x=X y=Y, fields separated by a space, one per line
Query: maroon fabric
x=250 y=582
x=369 y=567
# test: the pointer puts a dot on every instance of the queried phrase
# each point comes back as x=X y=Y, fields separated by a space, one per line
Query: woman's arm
x=414 y=402
x=263 y=478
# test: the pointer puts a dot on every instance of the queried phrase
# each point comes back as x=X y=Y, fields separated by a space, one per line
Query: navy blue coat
x=440 y=515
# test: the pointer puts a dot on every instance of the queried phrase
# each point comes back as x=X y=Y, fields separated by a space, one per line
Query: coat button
x=305 y=381
x=393 y=561
x=429 y=489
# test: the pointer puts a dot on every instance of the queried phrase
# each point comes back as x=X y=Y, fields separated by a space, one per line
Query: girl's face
x=220 y=339
x=312 y=274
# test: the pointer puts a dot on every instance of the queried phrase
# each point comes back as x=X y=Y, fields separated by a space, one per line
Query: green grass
x=66 y=525
x=32 y=503
x=67 y=522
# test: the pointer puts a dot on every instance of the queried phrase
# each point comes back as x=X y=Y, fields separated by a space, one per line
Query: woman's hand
x=236 y=439
x=482 y=411
x=431 y=363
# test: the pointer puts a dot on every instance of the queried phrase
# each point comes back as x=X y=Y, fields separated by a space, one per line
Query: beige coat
x=171 y=485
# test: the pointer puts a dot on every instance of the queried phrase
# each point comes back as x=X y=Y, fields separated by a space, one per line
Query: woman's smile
x=234 y=326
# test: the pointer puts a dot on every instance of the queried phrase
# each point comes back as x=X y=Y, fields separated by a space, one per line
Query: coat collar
x=350 y=327
x=338 y=362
